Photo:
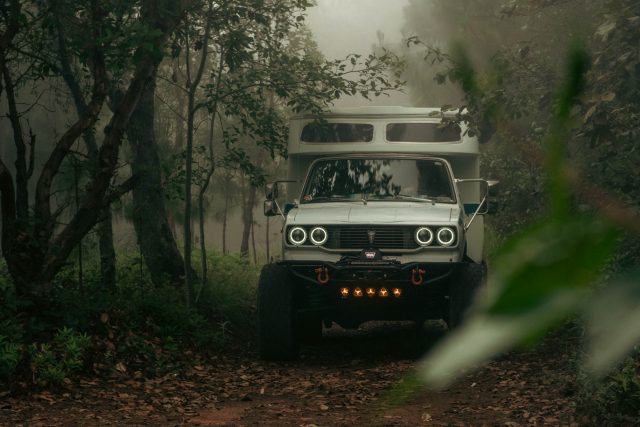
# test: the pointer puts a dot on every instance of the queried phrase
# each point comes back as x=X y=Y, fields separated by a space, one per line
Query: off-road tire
x=309 y=329
x=468 y=281
x=277 y=337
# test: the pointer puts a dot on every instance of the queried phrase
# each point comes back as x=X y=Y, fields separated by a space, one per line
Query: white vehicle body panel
x=461 y=155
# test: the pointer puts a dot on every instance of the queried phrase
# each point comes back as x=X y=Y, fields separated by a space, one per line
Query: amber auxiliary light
x=370 y=292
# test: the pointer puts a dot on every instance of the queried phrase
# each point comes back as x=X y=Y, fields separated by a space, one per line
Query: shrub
x=613 y=400
x=10 y=355
x=52 y=362
x=230 y=294
x=139 y=326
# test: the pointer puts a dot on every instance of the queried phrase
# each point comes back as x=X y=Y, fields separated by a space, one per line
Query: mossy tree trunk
x=157 y=244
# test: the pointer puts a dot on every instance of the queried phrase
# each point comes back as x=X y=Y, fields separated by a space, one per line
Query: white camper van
x=384 y=223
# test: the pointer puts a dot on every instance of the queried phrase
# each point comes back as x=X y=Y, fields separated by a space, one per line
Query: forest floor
x=348 y=378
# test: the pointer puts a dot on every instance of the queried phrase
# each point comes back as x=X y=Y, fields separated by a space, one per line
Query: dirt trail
x=345 y=379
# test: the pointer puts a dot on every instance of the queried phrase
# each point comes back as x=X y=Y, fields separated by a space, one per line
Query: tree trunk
x=253 y=241
x=224 y=221
x=107 y=250
x=104 y=228
x=267 y=242
x=247 y=219
x=156 y=241
x=188 y=234
x=203 y=243
x=35 y=244
x=201 y=194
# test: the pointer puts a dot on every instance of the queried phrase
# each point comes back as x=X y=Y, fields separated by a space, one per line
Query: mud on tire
x=277 y=337
x=466 y=283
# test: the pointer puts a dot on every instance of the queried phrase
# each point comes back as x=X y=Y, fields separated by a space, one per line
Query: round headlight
x=297 y=236
x=424 y=236
x=446 y=236
x=318 y=236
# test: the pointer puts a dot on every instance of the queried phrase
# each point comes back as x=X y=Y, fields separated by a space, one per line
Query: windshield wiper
x=325 y=198
x=443 y=199
x=414 y=198
x=406 y=197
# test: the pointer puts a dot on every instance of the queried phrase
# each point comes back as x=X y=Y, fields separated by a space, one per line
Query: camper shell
x=382 y=220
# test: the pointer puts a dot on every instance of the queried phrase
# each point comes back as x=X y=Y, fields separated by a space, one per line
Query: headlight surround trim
x=420 y=242
x=297 y=242
x=444 y=242
x=323 y=240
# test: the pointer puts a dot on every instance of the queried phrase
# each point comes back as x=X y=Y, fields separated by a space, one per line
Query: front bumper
x=378 y=290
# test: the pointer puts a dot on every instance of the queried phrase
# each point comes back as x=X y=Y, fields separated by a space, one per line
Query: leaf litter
x=347 y=379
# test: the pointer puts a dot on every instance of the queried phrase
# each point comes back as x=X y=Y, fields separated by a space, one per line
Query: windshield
x=379 y=179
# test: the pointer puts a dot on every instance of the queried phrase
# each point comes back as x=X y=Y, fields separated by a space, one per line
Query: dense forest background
x=136 y=138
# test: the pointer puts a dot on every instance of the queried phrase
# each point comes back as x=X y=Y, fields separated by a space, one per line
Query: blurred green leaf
x=485 y=336
x=550 y=257
x=540 y=277
x=614 y=323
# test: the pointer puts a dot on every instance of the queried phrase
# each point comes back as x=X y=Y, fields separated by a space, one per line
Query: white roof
x=374 y=111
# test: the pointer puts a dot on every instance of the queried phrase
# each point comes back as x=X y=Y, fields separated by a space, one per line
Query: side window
x=423 y=132
x=337 y=132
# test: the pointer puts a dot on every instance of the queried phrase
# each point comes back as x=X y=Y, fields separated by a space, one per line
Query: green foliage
x=543 y=270
x=545 y=273
x=11 y=331
x=614 y=399
x=10 y=355
x=64 y=356
x=138 y=328
x=230 y=294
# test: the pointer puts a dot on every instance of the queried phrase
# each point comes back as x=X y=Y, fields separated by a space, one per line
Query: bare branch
x=22 y=201
x=172 y=83
x=7 y=205
x=89 y=210
x=85 y=122
x=173 y=110
x=32 y=152
x=121 y=190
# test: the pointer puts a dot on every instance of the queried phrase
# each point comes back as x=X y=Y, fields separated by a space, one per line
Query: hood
x=373 y=213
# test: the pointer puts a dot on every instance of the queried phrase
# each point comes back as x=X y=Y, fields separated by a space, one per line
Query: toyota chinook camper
x=386 y=224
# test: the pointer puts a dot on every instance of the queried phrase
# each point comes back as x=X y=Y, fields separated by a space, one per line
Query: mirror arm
x=482 y=202
x=279 y=211
x=475 y=214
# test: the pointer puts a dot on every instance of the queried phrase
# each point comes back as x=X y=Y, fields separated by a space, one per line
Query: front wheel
x=465 y=284
x=277 y=337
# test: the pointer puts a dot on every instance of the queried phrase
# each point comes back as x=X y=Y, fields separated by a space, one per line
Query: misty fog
x=339 y=28
x=356 y=26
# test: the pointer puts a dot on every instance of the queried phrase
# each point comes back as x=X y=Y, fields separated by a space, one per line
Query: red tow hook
x=417 y=276
x=323 y=275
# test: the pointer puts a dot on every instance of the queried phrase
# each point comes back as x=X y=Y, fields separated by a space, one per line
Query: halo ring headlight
x=318 y=236
x=446 y=236
x=424 y=236
x=297 y=236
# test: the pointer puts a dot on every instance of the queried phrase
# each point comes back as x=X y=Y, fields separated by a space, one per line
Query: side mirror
x=270 y=208
x=271 y=191
x=492 y=193
x=485 y=206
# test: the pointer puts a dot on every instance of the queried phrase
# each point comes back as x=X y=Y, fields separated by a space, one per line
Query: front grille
x=357 y=237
